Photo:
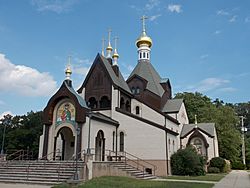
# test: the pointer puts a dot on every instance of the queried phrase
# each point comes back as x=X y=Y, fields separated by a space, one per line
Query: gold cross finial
x=103 y=44
x=69 y=60
x=109 y=35
x=143 y=18
x=116 y=39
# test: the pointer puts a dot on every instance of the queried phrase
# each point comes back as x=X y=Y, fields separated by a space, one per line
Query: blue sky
x=199 y=45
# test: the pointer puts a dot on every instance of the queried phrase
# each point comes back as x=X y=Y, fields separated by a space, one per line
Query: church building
x=109 y=116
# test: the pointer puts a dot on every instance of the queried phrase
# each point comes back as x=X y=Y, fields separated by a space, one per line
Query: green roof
x=145 y=70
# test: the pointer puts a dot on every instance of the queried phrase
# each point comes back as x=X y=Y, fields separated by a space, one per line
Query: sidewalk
x=19 y=185
x=235 y=179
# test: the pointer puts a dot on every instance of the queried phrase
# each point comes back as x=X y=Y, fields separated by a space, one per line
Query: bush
x=218 y=162
x=227 y=167
x=238 y=165
x=213 y=170
x=187 y=162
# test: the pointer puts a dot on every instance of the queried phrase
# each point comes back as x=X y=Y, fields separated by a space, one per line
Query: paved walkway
x=192 y=181
x=235 y=179
x=19 y=185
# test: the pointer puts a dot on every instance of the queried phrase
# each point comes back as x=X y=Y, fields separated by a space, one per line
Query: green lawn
x=207 y=177
x=125 y=182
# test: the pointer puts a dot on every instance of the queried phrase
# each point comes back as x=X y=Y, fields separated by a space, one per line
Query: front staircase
x=38 y=172
x=133 y=171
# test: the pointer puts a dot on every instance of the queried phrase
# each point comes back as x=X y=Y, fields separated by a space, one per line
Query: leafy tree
x=222 y=115
x=23 y=132
x=187 y=162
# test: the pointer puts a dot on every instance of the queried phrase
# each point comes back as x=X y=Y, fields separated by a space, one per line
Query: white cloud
x=208 y=84
x=151 y=4
x=204 y=56
x=174 y=8
x=247 y=19
x=24 y=80
x=5 y=113
x=81 y=66
x=154 y=17
x=58 y=6
x=222 y=13
x=217 y=32
x=228 y=89
x=233 y=18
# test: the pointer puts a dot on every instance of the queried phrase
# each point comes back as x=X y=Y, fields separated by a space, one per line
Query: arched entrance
x=64 y=144
x=100 y=146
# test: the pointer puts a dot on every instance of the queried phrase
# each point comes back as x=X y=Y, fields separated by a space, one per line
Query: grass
x=207 y=177
x=125 y=182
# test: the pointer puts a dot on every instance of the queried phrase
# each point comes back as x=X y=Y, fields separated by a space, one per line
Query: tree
x=24 y=132
x=222 y=115
x=187 y=162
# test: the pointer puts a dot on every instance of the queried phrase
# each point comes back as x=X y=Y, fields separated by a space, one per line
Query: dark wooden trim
x=160 y=112
x=146 y=121
x=104 y=121
x=196 y=133
x=63 y=93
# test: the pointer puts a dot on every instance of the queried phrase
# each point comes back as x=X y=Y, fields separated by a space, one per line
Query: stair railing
x=128 y=159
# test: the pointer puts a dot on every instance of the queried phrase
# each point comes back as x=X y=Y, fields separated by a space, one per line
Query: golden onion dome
x=109 y=47
x=144 y=39
x=115 y=55
x=68 y=71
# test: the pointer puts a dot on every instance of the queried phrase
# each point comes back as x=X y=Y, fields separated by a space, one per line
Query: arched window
x=133 y=90
x=147 y=55
x=169 y=144
x=105 y=102
x=140 y=55
x=137 y=110
x=144 y=54
x=121 y=141
x=198 y=145
x=122 y=103
x=127 y=106
x=92 y=103
x=137 y=90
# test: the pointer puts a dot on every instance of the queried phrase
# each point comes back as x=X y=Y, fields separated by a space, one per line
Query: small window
x=127 y=106
x=147 y=55
x=122 y=103
x=137 y=90
x=137 y=110
x=144 y=54
x=121 y=141
x=133 y=90
x=140 y=55
x=105 y=102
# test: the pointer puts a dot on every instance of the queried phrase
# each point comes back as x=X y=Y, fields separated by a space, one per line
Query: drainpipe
x=88 y=149
x=166 y=136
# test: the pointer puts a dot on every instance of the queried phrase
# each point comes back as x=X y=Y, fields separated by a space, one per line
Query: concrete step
x=31 y=182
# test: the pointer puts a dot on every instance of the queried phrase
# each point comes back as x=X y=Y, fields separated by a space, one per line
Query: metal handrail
x=137 y=161
x=46 y=156
x=13 y=154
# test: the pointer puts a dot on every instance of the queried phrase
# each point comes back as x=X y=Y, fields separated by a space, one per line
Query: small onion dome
x=68 y=71
x=144 y=39
x=115 y=54
x=109 y=47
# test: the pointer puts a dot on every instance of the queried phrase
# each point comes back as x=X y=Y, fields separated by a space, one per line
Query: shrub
x=218 y=162
x=238 y=165
x=187 y=162
x=213 y=170
x=227 y=167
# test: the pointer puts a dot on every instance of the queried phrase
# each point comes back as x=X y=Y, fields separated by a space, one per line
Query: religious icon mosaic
x=65 y=113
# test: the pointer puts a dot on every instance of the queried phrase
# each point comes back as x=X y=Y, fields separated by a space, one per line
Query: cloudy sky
x=200 y=45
